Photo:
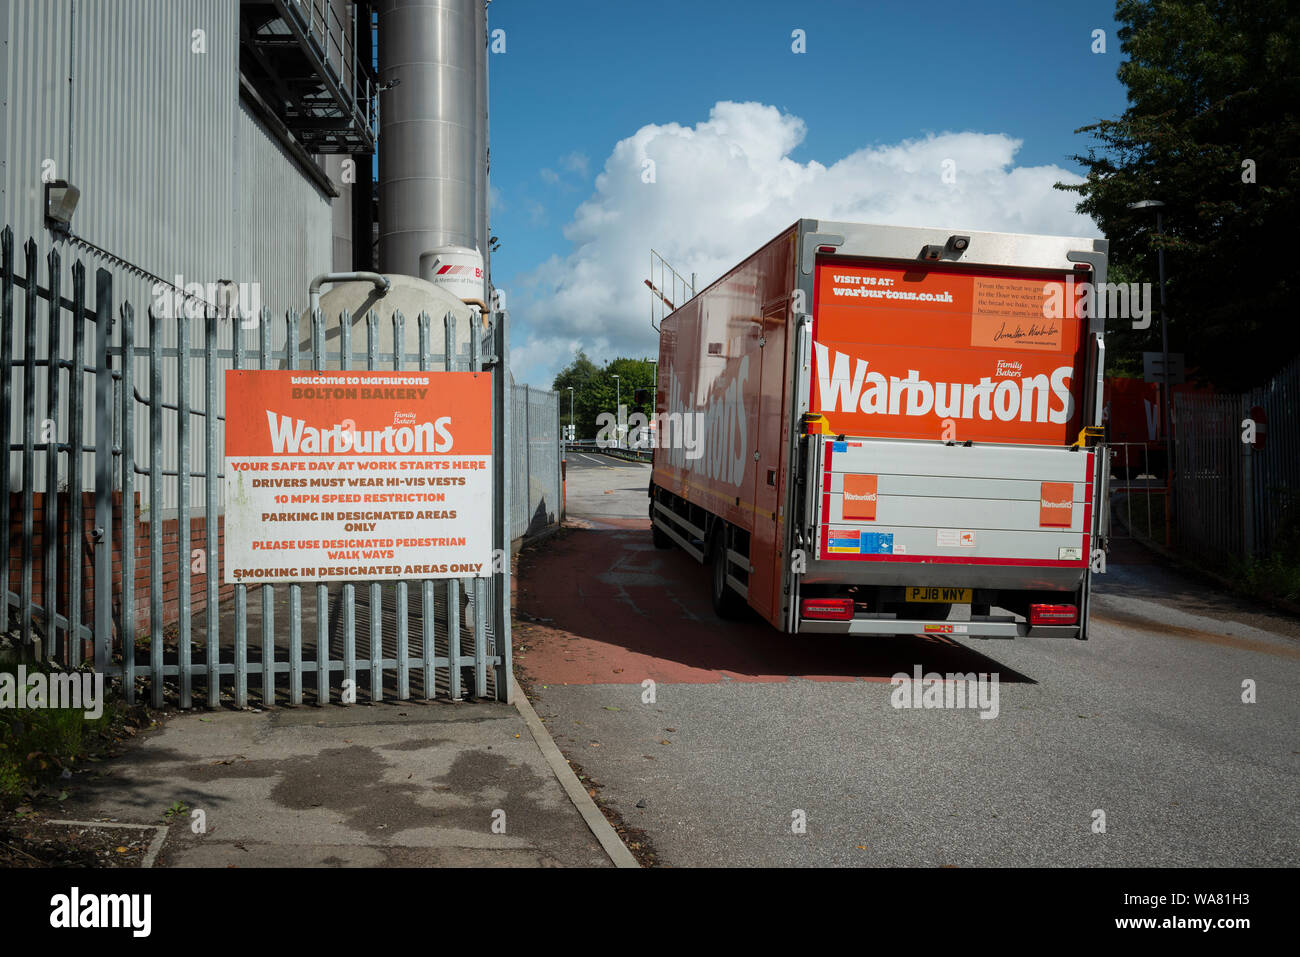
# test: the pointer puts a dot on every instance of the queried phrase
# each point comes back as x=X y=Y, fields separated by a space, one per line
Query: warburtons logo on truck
x=725 y=438
x=847 y=384
x=963 y=356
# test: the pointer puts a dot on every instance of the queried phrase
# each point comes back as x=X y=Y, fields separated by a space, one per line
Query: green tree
x=1211 y=130
x=595 y=390
x=578 y=375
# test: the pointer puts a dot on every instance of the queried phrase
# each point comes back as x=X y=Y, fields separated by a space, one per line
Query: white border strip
x=154 y=846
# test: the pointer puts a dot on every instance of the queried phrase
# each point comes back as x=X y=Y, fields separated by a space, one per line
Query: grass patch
x=40 y=747
x=1272 y=577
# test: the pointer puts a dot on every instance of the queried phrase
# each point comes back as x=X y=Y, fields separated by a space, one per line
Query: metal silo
x=433 y=139
x=481 y=187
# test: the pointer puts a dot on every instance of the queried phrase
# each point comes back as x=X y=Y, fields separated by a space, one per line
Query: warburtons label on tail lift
x=345 y=476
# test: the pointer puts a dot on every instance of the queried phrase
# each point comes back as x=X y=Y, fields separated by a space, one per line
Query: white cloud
x=576 y=162
x=727 y=185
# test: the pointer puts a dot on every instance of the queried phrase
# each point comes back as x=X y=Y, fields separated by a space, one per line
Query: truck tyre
x=726 y=603
x=657 y=534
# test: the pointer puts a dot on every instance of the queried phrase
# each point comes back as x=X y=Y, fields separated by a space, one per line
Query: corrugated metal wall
x=176 y=175
x=283 y=223
x=113 y=94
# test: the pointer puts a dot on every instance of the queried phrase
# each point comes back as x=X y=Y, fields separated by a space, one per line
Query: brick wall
x=83 y=544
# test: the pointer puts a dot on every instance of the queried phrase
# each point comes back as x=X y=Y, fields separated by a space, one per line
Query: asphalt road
x=750 y=732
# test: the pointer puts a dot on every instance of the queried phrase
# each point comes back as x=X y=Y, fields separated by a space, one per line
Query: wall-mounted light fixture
x=60 y=203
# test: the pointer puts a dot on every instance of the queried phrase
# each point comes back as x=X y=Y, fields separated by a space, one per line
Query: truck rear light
x=1053 y=614
x=829 y=609
x=826 y=249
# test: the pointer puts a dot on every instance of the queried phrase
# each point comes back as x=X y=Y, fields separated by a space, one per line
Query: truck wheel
x=657 y=534
x=726 y=603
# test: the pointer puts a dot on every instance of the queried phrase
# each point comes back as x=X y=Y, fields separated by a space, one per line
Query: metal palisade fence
x=537 y=477
x=1235 y=497
x=112 y=524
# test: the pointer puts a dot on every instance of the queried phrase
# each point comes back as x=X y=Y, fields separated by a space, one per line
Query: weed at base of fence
x=1273 y=577
x=40 y=748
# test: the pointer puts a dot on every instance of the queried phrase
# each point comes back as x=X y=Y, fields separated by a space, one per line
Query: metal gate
x=1137 y=493
x=1236 y=497
x=117 y=427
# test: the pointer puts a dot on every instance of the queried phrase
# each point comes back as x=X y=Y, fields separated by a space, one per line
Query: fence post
x=127 y=617
x=478 y=620
x=29 y=452
x=52 y=536
x=212 y=461
x=502 y=532
x=6 y=406
x=527 y=439
x=559 y=466
x=103 y=470
x=1247 y=491
x=453 y=584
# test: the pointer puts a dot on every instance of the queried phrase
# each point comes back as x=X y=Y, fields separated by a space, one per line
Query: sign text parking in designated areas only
x=334 y=476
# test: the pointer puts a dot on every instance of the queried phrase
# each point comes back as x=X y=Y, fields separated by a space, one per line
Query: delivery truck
x=873 y=430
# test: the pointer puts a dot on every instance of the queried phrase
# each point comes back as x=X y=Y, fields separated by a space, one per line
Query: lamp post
x=618 y=405
x=571 y=419
x=1166 y=412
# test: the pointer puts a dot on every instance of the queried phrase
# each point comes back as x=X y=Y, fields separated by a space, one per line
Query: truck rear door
x=952 y=465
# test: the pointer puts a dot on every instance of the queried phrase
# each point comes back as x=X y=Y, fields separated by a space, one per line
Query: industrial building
x=208 y=161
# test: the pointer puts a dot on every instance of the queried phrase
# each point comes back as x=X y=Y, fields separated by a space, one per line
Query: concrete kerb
x=601 y=828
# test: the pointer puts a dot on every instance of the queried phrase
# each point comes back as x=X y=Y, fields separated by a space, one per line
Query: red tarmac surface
x=603 y=606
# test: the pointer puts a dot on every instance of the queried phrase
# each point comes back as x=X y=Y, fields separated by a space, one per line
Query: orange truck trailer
x=890 y=430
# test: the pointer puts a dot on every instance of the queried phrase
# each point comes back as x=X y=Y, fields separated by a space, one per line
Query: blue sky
x=879 y=82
